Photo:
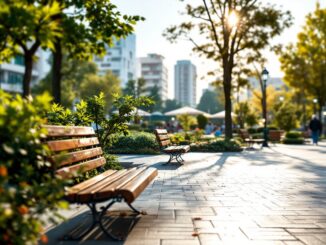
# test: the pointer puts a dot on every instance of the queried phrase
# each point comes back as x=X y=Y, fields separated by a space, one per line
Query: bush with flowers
x=28 y=187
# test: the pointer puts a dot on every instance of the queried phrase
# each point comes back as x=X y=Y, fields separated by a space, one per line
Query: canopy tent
x=188 y=111
x=141 y=113
x=221 y=115
x=157 y=113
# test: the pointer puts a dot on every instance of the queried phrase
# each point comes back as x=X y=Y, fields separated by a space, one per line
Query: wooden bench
x=175 y=152
x=245 y=136
x=275 y=136
x=75 y=151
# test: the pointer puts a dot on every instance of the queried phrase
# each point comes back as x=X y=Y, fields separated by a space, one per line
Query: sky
x=161 y=14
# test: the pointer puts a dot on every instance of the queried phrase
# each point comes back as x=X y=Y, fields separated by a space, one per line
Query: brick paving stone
x=271 y=196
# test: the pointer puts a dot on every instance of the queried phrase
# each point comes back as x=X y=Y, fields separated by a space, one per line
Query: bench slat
x=65 y=159
x=134 y=188
x=117 y=184
x=165 y=142
x=72 y=191
x=63 y=145
x=88 y=193
x=163 y=137
x=161 y=131
x=68 y=172
x=65 y=131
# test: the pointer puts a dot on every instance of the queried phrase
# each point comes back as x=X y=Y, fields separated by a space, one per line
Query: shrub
x=293 y=135
x=135 y=143
x=217 y=146
x=202 y=121
x=177 y=138
x=28 y=186
x=294 y=141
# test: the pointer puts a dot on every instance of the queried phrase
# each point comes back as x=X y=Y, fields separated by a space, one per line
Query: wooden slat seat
x=76 y=150
x=175 y=152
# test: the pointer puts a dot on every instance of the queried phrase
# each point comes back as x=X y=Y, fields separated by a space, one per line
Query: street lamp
x=315 y=106
x=264 y=76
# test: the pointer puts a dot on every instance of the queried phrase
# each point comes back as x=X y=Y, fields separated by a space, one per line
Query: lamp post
x=264 y=76
x=315 y=106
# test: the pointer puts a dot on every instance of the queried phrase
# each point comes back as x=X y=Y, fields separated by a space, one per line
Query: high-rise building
x=120 y=59
x=11 y=73
x=185 y=86
x=155 y=73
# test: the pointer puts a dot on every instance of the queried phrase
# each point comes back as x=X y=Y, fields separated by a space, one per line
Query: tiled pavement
x=269 y=196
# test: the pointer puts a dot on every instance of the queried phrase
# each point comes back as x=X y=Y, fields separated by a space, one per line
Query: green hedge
x=217 y=146
x=297 y=141
x=134 y=143
x=293 y=135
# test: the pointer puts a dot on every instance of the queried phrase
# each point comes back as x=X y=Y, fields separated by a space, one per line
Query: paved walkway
x=272 y=196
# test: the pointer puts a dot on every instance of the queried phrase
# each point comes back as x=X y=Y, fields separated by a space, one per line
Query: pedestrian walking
x=316 y=127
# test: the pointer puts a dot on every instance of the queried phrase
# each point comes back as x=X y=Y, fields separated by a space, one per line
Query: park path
x=270 y=196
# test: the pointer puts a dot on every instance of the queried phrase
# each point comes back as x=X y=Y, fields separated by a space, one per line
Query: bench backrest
x=75 y=149
x=162 y=137
x=275 y=135
x=244 y=134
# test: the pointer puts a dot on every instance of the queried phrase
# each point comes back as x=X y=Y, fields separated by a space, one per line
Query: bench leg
x=176 y=156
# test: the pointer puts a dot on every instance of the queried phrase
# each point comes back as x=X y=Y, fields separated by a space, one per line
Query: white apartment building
x=153 y=70
x=185 y=82
x=11 y=74
x=120 y=59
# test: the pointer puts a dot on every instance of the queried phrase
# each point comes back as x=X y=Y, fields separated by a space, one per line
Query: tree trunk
x=28 y=58
x=56 y=71
x=227 y=77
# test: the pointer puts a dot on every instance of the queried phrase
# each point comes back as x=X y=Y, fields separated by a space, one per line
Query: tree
x=202 y=121
x=154 y=94
x=135 y=88
x=186 y=121
x=244 y=115
x=304 y=63
x=88 y=27
x=108 y=84
x=209 y=102
x=231 y=28
x=171 y=105
x=285 y=117
x=26 y=26
x=73 y=73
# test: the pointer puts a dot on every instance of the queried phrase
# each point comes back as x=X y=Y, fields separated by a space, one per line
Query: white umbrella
x=157 y=113
x=188 y=111
x=141 y=113
x=221 y=115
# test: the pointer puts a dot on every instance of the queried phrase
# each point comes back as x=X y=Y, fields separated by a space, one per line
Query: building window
x=15 y=78
x=116 y=59
x=19 y=60
x=2 y=77
x=116 y=72
x=105 y=65
x=98 y=59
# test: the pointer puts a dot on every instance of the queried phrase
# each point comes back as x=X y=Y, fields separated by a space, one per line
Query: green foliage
x=209 y=102
x=285 y=117
x=93 y=110
x=304 y=62
x=94 y=84
x=244 y=115
x=298 y=141
x=293 y=135
x=154 y=94
x=186 y=121
x=202 y=121
x=135 y=143
x=30 y=192
x=177 y=138
x=135 y=88
x=217 y=146
x=171 y=105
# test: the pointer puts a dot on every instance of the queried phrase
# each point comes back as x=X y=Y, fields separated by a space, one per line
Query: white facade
x=155 y=72
x=120 y=59
x=11 y=74
x=185 y=85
